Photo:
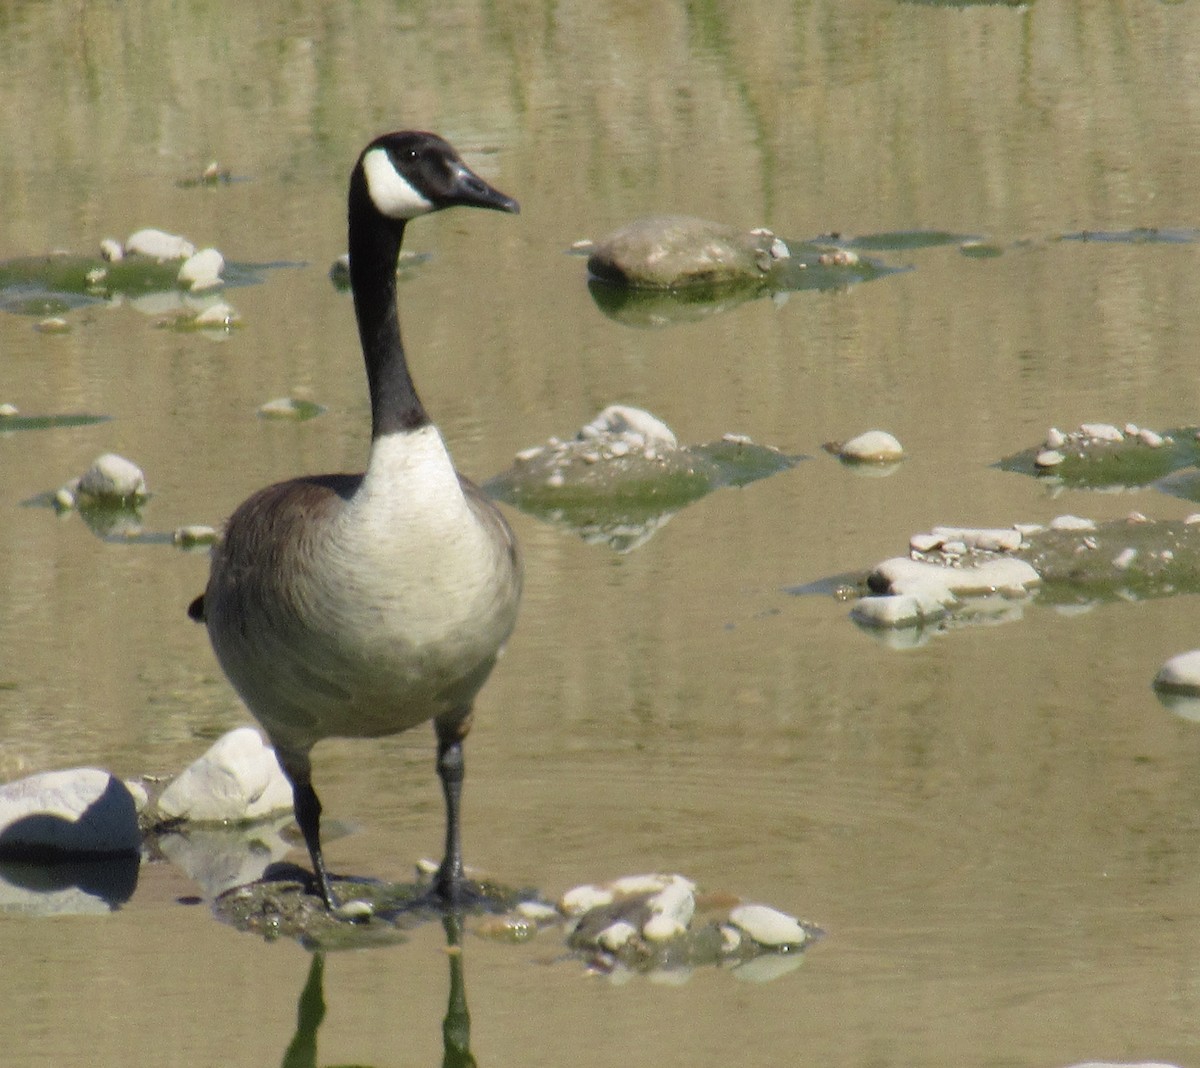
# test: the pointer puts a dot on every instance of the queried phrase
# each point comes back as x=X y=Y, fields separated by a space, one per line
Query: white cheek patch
x=391 y=192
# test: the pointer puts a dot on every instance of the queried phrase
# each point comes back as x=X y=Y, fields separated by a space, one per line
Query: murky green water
x=999 y=829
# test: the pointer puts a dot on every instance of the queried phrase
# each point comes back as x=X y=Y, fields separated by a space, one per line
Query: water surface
x=999 y=829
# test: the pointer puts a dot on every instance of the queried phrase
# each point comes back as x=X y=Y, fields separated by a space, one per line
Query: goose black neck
x=374 y=251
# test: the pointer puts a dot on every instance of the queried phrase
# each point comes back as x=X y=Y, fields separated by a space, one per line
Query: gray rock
x=676 y=251
x=112 y=478
x=238 y=780
x=82 y=811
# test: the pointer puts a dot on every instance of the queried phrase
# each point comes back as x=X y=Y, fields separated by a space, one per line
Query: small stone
x=1072 y=522
x=64 y=497
x=556 y=480
x=56 y=324
x=614 y=936
x=537 y=911
x=1150 y=439
x=190 y=536
x=731 y=938
x=159 y=245
x=581 y=899
x=768 y=926
x=217 y=314
x=1055 y=438
x=1125 y=558
x=112 y=250
x=1048 y=458
x=1180 y=674
x=924 y=543
x=987 y=539
x=662 y=928
x=202 y=270
x=7 y=411
x=356 y=911
x=113 y=478
x=1192 y=519
x=737 y=439
x=525 y=455
x=1101 y=432
x=873 y=446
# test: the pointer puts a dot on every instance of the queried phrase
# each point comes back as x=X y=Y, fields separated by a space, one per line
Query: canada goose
x=362 y=605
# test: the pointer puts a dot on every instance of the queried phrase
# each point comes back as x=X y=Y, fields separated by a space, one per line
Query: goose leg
x=450 y=882
x=308 y=815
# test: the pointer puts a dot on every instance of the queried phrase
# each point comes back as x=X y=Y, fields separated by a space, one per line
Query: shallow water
x=999 y=829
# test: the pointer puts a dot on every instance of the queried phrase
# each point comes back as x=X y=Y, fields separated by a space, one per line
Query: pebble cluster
x=1059 y=445
x=662 y=926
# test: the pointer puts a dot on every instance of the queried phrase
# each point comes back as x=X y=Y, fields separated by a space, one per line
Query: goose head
x=410 y=173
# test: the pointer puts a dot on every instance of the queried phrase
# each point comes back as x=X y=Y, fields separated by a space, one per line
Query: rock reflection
x=456 y=1026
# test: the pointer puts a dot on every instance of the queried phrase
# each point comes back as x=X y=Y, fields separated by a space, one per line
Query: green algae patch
x=1114 y=458
x=613 y=492
x=1136 y=558
x=10 y=424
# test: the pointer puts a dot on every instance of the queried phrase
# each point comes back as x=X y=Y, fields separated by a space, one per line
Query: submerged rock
x=676 y=251
x=237 y=780
x=78 y=812
x=1105 y=456
x=624 y=474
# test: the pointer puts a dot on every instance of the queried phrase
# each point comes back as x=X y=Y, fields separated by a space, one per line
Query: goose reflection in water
x=456 y=1027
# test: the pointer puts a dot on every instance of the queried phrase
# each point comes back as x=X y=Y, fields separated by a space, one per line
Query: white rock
x=623 y=421
x=731 y=938
x=1150 y=438
x=873 y=446
x=112 y=250
x=159 y=245
x=112 y=477
x=79 y=811
x=904 y=610
x=1072 y=522
x=7 y=411
x=943 y=585
x=202 y=270
x=1048 y=458
x=1181 y=673
x=238 y=779
x=194 y=534
x=1101 y=431
x=581 y=899
x=768 y=926
x=1055 y=438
